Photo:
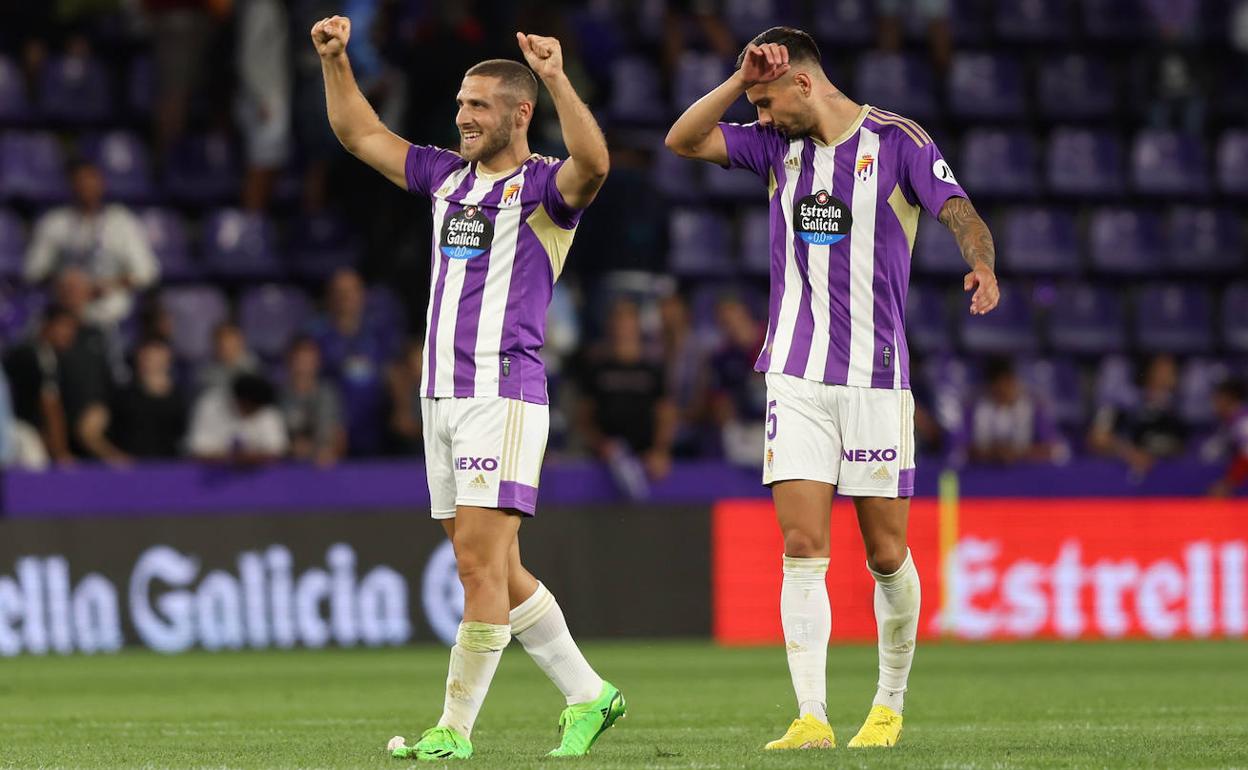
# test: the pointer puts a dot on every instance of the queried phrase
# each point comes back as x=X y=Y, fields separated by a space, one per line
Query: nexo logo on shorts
x=869 y=455
x=476 y=463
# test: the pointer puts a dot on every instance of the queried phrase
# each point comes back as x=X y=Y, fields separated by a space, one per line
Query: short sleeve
x=927 y=178
x=427 y=166
x=557 y=208
x=752 y=146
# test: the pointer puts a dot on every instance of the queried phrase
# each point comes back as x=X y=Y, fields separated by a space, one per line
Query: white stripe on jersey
x=786 y=322
x=862 y=268
x=818 y=262
x=452 y=183
x=495 y=292
x=448 y=316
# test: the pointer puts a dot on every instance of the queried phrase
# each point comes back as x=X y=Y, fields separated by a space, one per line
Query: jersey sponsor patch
x=821 y=219
x=941 y=170
x=467 y=233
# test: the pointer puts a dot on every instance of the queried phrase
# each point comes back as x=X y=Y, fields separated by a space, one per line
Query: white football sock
x=897 y=599
x=806 y=617
x=540 y=626
x=474 y=659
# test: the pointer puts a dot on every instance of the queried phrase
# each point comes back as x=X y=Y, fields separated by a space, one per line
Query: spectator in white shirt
x=104 y=239
x=239 y=426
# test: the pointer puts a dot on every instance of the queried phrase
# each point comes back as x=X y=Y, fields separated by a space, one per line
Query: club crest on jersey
x=466 y=234
x=865 y=167
x=512 y=193
x=821 y=219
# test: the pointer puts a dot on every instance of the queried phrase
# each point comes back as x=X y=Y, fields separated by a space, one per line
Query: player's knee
x=804 y=545
x=886 y=558
x=478 y=570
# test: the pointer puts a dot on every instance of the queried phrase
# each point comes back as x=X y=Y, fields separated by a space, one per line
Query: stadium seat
x=1114 y=383
x=1233 y=162
x=635 y=93
x=1055 y=383
x=1032 y=21
x=32 y=167
x=75 y=89
x=997 y=162
x=1235 y=318
x=1172 y=318
x=20 y=309
x=1198 y=377
x=846 y=22
x=14 y=107
x=1125 y=241
x=1083 y=162
x=756 y=241
x=271 y=315
x=240 y=244
x=696 y=74
x=12 y=244
x=123 y=160
x=320 y=244
x=202 y=170
x=141 y=86
x=1113 y=20
x=734 y=184
x=1086 y=320
x=1009 y=329
x=700 y=243
x=927 y=319
x=1168 y=163
x=1076 y=86
x=384 y=309
x=935 y=250
x=195 y=311
x=897 y=82
x=986 y=86
x=166 y=234
x=969 y=24
x=1204 y=240
x=678 y=179
x=746 y=18
x=1039 y=240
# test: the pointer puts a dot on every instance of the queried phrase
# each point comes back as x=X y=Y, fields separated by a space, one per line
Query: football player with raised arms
x=503 y=219
x=845 y=184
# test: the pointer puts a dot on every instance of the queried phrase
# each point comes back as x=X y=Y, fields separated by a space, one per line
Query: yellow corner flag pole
x=948 y=548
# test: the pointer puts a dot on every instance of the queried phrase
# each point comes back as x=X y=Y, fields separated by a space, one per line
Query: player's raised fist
x=330 y=35
x=542 y=53
x=764 y=63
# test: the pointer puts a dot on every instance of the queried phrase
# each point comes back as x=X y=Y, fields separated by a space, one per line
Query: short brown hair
x=801 y=45
x=515 y=77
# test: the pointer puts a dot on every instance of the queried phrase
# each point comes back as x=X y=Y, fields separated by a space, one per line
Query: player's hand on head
x=764 y=63
x=544 y=54
x=330 y=35
x=983 y=282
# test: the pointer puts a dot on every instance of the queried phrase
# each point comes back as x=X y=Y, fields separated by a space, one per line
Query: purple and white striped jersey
x=499 y=244
x=843 y=222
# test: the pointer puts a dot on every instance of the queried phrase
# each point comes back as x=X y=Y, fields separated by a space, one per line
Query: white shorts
x=483 y=452
x=860 y=439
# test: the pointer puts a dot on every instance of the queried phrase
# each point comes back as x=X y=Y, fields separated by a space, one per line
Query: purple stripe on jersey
x=469 y=312
x=521 y=372
x=522 y=497
x=836 y=369
x=905 y=482
x=775 y=241
x=804 y=324
x=442 y=263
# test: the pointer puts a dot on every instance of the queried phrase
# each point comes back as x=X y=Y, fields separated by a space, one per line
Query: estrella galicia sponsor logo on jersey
x=941 y=170
x=869 y=455
x=467 y=233
x=821 y=219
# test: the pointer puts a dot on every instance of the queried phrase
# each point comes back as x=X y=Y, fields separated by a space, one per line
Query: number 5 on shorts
x=772 y=421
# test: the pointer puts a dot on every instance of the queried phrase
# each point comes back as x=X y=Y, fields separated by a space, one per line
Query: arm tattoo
x=970 y=232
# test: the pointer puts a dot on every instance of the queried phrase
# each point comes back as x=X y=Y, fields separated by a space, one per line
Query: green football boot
x=581 y=724
x=436 y=744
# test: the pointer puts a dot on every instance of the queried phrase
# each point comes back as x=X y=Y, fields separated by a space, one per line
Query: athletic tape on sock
x=474 y=636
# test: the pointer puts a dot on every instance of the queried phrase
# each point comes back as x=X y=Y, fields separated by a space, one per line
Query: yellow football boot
x=881 y=730
x=805 y=733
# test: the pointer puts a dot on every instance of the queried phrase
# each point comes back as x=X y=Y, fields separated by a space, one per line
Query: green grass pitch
x=1044 y=705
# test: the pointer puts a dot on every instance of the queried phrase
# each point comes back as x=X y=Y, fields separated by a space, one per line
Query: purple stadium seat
x=1233 y=162
x=1197 y=379
x=123 y=160
x=1113 y=20
x=735 y=184
x=846 y=22
x=935 y=250
x=678 y=179
x=1033 y=21
x=1087 y=320
x=747 y=18
x=166 y=234
x=756 y=241
x=202 y=170
x=12 y=244
x=1204 y=240
x=927 y=319
x=32 y=167
x=1055 y=382
x=1168 y=163
x=141 y=86
x=271 y=315
x=320 y=244
x=240 y=244
x=635 y=93
x=1007 y=330
x=19 y=310
x=14 y=107
x=986 y=86
x=1039 y=240
x=1083 y=162
x=75 y=89
x=696 y=73
x=996 y=162
x=1172 y=318
x=700 y=243
x=897 y=82
x=384 y=309
x=1076 y=86
x=196 y=311
x=1125 y=241
x=1235 y=318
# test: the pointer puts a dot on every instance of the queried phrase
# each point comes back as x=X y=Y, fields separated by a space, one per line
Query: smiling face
x=785 y=104
x=489 y=117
